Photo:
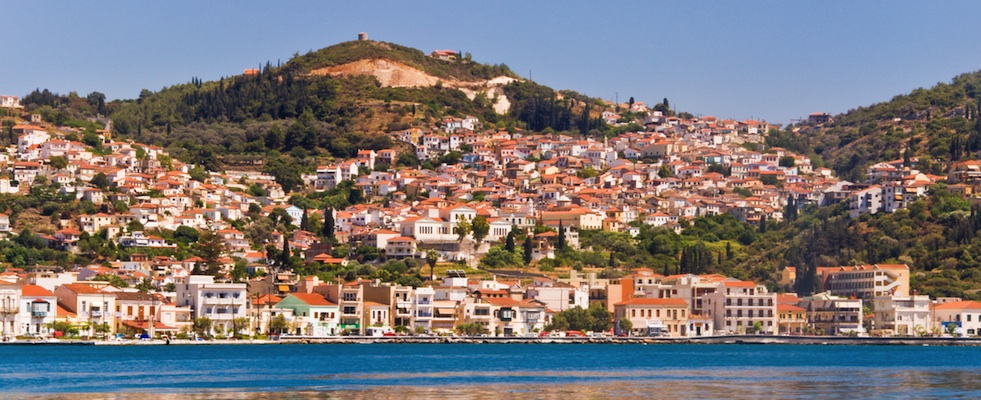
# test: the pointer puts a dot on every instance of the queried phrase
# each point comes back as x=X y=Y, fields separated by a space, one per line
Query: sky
x=771 y=60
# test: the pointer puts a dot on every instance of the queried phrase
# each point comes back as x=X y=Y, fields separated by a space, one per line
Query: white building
x=220 y=302
x=901 y=315
x=965 y=316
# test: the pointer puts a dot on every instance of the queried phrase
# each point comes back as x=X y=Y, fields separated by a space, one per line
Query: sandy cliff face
x=395 y=74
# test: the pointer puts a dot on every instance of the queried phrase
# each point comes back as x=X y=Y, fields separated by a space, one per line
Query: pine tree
x=528 y=250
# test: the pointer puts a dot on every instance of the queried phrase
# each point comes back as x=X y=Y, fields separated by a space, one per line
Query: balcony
x=41 y=314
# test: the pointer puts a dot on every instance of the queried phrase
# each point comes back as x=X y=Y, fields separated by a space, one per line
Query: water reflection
x=702 y=383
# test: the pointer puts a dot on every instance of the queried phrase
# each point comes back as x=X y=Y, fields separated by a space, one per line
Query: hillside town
x=551 y=186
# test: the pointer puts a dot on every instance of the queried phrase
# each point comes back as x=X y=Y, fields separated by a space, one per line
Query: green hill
x=939 y=125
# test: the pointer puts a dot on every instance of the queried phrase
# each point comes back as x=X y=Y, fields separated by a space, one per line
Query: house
x=37 y=311
x=313 y=315
x=93 y=306
x=654 y=316
x=139 y=312
x=445 y=55
x=962 y=317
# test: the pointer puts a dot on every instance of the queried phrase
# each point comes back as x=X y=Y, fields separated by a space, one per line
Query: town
x=485 y=187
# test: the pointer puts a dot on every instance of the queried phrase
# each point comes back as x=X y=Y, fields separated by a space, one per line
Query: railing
x=39 y=313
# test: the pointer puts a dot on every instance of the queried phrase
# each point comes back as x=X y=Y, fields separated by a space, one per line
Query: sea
x=489 y=371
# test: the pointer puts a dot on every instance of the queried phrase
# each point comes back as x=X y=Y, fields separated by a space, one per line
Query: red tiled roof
x=654 y=302
x=34 y=290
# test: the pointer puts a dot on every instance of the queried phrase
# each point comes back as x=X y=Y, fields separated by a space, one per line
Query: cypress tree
x=528 y=250
x=284 y=256
x=304 y=221
x=509 y=243
x=561 y=242
x=763 y=223
x=328 y=229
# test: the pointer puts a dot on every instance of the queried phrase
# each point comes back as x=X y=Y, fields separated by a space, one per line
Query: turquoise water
x=491 y=370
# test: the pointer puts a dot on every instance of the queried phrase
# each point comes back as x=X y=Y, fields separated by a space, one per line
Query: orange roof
x=959 y=305
x=34 y=290
x=64 y=312
x=742 y=284
x=654 y=302
x=81 y=288
x=313 y=299
x=788 y=307
x=266 y=299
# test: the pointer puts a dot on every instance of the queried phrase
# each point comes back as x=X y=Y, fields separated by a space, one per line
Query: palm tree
x=431 y=258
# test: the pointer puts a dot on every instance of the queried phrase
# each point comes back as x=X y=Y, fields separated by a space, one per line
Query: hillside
x=327 y=103
x=938 y=125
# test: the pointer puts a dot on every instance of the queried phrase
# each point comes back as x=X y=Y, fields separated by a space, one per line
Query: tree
x=462 y=228
x=145 y=285
x=790 y=213
x=284 y=256
x=114 y=280
x=626 y=325
x=239 y=325
x=278 y=324
x=787 y=162
x=354 y=196
x=286 y=171
x=58 y=162
x=100 y=180
x=185 y=234
x=209 y=247
x=664 y=171
x=509 y=242
x=480 y=228
x=602 y=319
x=561 y=242
x=202 y=326
x=762 y=223
x=304 y=221
x=528 y=249
x=431 y=258
x=328 y=229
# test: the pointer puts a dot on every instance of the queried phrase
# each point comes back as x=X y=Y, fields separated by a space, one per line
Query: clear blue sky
x=772 y=60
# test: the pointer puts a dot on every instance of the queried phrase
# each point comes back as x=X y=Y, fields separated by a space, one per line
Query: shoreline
x=731 y=339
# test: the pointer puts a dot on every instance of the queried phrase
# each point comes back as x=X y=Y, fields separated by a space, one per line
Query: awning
x=284 y=288
x=446 y=311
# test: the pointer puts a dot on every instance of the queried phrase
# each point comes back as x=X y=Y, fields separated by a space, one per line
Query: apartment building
x=900 y=315
x=739 y=307
x=868 y=281
x=220 y=302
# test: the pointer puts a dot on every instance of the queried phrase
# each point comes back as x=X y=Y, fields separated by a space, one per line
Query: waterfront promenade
x=731 y=339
